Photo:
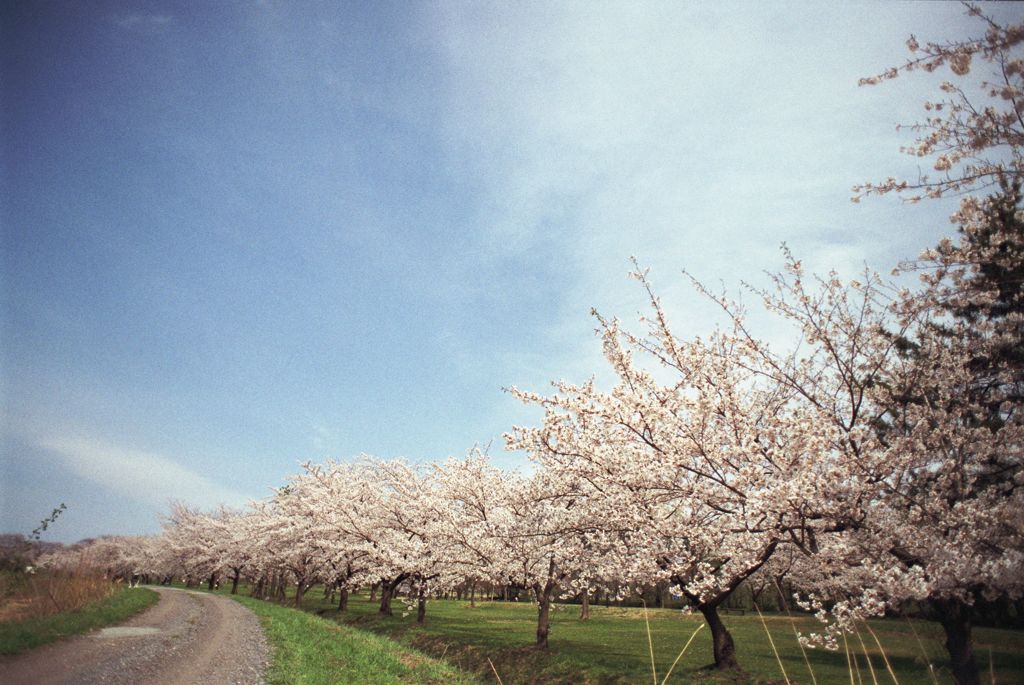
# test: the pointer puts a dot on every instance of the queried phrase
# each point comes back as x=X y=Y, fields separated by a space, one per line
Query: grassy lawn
x=308 y=650
x=612 y=647
x=18 y=636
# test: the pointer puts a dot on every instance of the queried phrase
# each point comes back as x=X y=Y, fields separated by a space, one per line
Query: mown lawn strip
x=309 y=650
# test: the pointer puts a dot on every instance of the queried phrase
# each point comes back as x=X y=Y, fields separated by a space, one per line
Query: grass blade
x=850 y=664
x=685 y=647
x=867 y=657
x=772 y=643
x=924 y=652
x=650 y=644
x=792 y=622
x=495 y=671
x=881 y=649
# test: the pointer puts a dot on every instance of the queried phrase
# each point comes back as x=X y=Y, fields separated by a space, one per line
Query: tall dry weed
x=48 y=592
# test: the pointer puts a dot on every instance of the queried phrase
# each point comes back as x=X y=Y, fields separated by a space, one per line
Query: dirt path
x=188 y=638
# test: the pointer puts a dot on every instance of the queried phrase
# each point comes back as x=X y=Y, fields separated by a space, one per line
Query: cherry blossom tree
x=539 y=548
x=974 y=133
x=191 y=544
x=946 y=529
x=698 y=467
x=471 y=511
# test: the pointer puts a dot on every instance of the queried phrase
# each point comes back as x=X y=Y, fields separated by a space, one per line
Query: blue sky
x=237 y=236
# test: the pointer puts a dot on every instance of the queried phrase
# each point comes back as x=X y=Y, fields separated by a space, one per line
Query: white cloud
x=688 y=135
x=146 y=477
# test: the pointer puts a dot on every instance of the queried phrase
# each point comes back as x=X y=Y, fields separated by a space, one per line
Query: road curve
x=188 y=638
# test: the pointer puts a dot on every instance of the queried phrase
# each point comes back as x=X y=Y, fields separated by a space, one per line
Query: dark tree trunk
x=234 y=582
x=421 y=607
x=213 y=579
x=386 y=590
x=300 y=591
x=543 y=613
x=724 y=647
x=343 y=599
x=373 y=591
x=956 y=622
x=585 y=604
x=543 y=594
x=282 y=591
x=472 y=595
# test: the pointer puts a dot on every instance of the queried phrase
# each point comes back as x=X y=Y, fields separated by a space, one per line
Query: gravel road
x=187 y=638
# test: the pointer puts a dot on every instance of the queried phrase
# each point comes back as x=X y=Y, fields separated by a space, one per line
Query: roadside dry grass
x=44 y=593
x=113 y=606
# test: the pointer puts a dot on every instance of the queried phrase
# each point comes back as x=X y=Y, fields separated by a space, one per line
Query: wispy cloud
x=636 y=130
x=145 y=477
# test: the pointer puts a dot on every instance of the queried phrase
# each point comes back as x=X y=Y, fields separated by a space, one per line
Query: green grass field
x=18 y=636
x=612 y=648
x=308 y=650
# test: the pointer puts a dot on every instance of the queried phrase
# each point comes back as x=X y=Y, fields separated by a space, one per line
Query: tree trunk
x=386 y=590
x=300 y=591
x=724 y=647
x=543 y=614
x=472 y=595
x=585 y=604
x=234 y=582
x=282 y=591
x=956 y=621
x=343 y=599
x=421 y=607
x=373 y=591
x=213 y=579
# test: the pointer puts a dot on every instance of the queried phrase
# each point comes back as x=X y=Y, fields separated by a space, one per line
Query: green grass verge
x=611 y=648
x=308 y=650
x=18 y=636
